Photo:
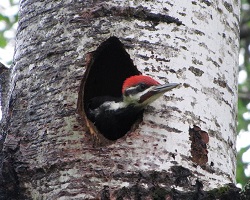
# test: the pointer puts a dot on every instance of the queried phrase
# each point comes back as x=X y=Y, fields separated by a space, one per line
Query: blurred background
x=8 y=26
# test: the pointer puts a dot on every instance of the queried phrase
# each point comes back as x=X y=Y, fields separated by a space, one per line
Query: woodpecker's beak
x=164 y=88
x=155 y=92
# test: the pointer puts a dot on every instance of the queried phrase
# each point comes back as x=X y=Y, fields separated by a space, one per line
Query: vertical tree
x=186 y=138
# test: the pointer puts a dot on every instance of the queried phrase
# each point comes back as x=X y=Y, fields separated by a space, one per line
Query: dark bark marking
x=182 y=14
x=228 y=6
x=213 y=61
x=181 y=175
x=9 y=182
x=223 y=84
x=105 y=195
x=199 y=139
x=196 y=61
x=162 y=59
x=227 y=192
x=183 y=47
x=152 y=124
x=220 y=82
x=159 y=186
x=220 y=60
x=202 y=44
x=196 y=71
x=136 y=192
x=199 y=32
x=139 y=12
x=186 y=85
x=208 y=3
x=6 y=89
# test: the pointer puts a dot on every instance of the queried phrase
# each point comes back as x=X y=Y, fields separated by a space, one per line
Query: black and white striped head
x=143 y=90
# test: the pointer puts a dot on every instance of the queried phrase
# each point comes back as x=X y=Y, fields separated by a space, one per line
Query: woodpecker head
x=142 y=90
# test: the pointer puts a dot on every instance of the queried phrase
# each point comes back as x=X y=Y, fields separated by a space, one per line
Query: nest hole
x=106 y=69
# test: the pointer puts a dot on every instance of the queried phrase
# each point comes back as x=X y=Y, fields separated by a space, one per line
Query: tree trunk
x=187 y=137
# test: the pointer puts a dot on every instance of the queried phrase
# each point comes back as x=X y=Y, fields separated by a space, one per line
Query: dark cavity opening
x=106 y=70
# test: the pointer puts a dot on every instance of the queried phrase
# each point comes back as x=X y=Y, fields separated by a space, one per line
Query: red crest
x=135 y=80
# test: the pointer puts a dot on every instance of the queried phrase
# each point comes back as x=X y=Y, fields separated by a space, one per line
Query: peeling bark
x=199 y=143
x=48 y=153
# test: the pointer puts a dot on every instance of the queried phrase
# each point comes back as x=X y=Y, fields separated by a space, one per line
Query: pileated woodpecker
x=114 y=116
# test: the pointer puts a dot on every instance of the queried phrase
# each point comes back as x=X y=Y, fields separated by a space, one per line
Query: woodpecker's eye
x=142 y=86
x=126 y=93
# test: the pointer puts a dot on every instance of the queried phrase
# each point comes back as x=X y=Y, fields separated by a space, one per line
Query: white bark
x=191 y=42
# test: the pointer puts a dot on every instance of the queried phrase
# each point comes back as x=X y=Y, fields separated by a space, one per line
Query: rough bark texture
x=47 y=153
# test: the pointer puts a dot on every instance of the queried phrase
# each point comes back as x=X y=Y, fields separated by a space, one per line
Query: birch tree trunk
x=187 y=138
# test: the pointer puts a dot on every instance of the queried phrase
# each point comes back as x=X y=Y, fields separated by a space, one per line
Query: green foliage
x=3 y=40
x=7 y=20
x=242 y=123
x=240 y=174
x=8 y=25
